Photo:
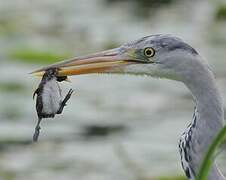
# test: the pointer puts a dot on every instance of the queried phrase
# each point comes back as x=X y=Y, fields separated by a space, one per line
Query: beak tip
x=37 y=74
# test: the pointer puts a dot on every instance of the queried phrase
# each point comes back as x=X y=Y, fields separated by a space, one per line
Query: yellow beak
x=105 y=61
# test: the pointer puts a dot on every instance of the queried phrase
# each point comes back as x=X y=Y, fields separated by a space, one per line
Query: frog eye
x=149 y=52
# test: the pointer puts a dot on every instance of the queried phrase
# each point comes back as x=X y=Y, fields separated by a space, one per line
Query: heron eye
x=149 y=52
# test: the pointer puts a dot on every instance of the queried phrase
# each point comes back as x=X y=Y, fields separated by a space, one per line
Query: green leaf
x=209 y=157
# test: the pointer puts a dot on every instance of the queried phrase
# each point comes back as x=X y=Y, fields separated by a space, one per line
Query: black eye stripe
x=149 y=52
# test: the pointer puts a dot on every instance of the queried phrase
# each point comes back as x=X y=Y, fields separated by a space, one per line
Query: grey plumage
x=166 y=42
x=177 y=60
x=174 y=59
x=185 y=144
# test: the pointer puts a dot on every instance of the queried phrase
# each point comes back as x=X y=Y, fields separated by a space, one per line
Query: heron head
x=162 y=56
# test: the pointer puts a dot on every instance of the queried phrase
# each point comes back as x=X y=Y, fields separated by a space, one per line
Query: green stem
x=208 y=159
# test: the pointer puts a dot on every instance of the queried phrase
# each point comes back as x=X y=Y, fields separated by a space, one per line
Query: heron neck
x=209 y=106
x=209 y=117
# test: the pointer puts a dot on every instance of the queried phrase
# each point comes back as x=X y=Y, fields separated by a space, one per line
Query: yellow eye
x=149 y=52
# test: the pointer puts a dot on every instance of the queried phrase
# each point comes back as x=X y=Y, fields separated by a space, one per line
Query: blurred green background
x=114 y=127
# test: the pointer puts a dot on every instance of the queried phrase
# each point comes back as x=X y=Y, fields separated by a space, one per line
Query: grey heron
x=165 y=56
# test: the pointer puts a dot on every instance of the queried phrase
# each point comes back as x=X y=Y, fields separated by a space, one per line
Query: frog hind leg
x=37 y=131
x=63 y=103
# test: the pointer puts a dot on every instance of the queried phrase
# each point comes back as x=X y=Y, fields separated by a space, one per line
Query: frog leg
x=37 y=131
x=36 y=92
x=63 y=103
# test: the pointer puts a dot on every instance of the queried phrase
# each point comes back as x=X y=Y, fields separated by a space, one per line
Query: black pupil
x=148 y=52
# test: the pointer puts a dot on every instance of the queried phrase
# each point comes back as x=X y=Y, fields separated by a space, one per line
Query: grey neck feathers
x=209 y=117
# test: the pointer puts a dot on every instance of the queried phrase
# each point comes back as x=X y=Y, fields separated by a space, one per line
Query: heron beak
x=102 y=62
